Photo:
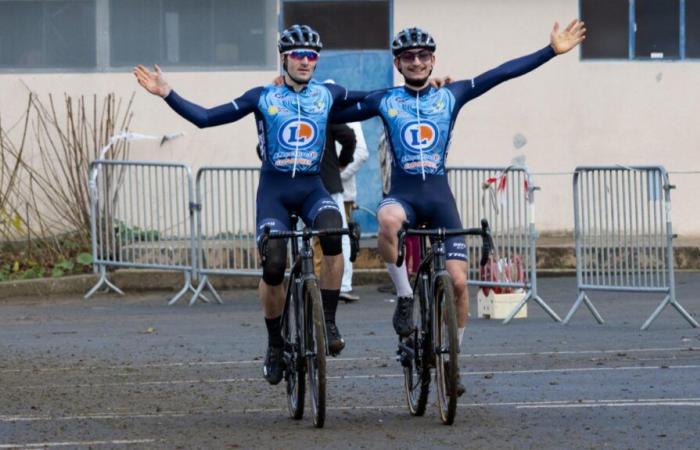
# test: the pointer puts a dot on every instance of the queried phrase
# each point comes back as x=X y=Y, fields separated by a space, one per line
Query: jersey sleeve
x=343 y=97
x=467 y=90
x=219 y=115
x=366 y=107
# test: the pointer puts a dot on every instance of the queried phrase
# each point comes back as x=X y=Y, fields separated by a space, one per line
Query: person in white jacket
x=347 y=175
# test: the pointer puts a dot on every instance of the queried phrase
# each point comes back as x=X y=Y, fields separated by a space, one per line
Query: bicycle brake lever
x=354 y=234
x=263 y=244
x=487 y=240
x=402 y=237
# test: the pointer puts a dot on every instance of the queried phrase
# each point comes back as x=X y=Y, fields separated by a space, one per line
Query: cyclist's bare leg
x=458 y=272
x=331 y=271
x=271 y=299
x=391 y=218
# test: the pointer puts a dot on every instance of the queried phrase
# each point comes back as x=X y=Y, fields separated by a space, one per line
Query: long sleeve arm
x=364 y=109
x=219 y=115
x=469 y=89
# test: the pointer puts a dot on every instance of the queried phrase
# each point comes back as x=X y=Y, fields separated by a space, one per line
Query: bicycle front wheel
x=414 y=353
x=446 y=348
x=316 y=350
x=295 y=359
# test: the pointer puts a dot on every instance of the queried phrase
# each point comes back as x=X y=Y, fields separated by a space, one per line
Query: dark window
x=607 y=22
x=343 y=25
x=47 y=34
x=692 y=28
x=190 y=32
x=657 y=29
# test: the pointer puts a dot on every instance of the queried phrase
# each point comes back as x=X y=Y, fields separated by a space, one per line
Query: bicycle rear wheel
x=316 y=350
x=414 y=353
x=296 y=363
x=446 y=348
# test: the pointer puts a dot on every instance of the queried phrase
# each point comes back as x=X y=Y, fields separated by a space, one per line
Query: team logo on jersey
x=419 y=136
x=298 y=134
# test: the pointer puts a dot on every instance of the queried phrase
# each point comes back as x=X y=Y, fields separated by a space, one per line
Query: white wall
x=571 y=112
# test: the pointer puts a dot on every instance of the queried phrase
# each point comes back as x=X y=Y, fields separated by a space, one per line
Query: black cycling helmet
x=299 y=36
x=410 y=38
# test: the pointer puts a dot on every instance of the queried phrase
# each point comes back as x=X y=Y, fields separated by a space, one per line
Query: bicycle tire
x=295 y=373
x=316 y=346
x=446 y=348
x=416 y=368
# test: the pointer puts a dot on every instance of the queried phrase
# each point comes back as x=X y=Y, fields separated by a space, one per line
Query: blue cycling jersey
x=291 y=125
x=419 y=123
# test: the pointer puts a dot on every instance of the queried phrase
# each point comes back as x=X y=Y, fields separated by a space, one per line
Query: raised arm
x=561 y=41
x=155 y=83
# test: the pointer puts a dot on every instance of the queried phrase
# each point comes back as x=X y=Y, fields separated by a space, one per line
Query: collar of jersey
x=304 y=89
x=421 y=93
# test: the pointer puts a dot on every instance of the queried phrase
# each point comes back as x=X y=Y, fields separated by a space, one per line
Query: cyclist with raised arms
x=291 y=121
x=419 y=119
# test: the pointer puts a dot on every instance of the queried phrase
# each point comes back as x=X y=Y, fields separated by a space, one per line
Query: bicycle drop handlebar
x=442 y=233
x=353 y=231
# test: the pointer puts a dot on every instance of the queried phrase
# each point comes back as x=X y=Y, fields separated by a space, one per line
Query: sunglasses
x=299 y=55
x=423 y=56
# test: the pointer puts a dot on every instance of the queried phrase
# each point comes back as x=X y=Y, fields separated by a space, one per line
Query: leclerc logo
x=298 y=133
x=419 y=136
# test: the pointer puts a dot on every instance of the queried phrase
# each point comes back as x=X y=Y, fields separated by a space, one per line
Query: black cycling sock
x=274 y=332
x=330 y=303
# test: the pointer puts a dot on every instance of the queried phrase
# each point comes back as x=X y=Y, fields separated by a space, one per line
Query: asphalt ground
x=131 y=372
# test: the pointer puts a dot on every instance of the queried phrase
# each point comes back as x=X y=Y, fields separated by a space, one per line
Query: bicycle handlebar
x=353 y=231
x=442 y=233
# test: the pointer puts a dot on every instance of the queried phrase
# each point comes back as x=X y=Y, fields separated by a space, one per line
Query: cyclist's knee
x=459 y=283
x=275 y=262
x=390 y=222
x=330 y=218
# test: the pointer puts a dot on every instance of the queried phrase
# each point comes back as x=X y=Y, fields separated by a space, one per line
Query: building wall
x=570 y=112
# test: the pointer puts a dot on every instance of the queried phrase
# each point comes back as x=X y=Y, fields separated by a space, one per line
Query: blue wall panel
x=362 y=70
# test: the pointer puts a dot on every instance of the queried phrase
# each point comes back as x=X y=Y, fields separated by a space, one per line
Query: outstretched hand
x=570 y=37
x=153 y=82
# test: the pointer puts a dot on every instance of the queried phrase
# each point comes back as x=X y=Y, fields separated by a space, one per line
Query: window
x=641 y=29
x=61 y=34
x=190 y=32
x=658 y=26
x=692 y=28
x=47 y=34
x=607 y=22
x=343 y=25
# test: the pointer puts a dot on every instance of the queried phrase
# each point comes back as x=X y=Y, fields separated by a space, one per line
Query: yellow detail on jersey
x=393 y=112
x=272 y=110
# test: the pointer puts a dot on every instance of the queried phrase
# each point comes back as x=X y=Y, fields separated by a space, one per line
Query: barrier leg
x=668 y=299
x=583 y=298
x=518 y=307
x=546 y=308
x=531 y=296
x=198 y=292
x=214 y=292
x=187 y=287
x=103 y=281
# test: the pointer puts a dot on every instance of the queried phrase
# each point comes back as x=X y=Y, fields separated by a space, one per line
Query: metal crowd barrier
x=624 y=237
x=142 y=216
x=505 y=197
x=226 y=223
